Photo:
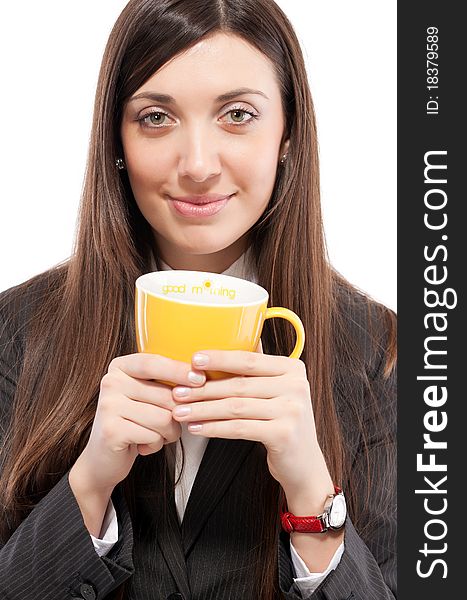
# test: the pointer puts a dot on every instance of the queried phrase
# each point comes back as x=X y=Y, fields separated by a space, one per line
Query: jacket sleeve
x=51 y=555
x=368 y=569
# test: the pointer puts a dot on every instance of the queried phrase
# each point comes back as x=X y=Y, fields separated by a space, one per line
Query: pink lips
x=202 y=199
x=200 y=206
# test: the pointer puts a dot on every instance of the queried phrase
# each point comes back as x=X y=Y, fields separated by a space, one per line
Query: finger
x=147 y=449
x=150 y=392
x=135 y=434
x=241 y=387
x=228 y=408
x=241 y=429
x=154 y=418
x=243 y=362
x=154 y=366
x=156 y=438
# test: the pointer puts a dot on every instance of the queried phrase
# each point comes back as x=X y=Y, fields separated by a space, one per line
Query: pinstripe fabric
x=211 y=555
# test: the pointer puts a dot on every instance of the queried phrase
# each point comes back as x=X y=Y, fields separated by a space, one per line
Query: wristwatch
x=332 y=518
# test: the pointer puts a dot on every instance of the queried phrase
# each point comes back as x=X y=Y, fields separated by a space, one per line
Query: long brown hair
x=82 y=318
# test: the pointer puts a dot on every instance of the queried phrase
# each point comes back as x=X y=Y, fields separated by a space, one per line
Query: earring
x=119 y=164
x=283 y=159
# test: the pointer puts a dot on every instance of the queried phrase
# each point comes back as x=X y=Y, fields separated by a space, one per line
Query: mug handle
x=289 y=315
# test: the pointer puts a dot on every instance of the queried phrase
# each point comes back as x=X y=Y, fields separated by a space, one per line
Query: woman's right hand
x=133 y=416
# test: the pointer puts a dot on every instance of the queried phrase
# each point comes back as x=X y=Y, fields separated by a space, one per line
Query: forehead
x=215 y=64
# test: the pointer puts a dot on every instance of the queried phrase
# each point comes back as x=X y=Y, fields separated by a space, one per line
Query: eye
x=238 y=115
x=157 y=119
x=154 y=119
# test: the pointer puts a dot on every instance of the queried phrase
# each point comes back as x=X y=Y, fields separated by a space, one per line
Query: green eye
x=237 y=116
x=240 y=114
x=156 y=118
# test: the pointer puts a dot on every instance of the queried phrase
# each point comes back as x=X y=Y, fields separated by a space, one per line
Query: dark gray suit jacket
x=51 y=556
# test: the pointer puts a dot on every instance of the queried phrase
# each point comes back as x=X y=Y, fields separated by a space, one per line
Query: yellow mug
x=178 y=313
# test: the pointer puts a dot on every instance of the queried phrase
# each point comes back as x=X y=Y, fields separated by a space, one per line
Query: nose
x=199 y=157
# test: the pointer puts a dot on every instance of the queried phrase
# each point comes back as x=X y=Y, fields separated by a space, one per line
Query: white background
x=50 y=56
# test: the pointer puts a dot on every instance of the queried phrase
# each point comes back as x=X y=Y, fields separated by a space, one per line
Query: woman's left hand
x=266 y=400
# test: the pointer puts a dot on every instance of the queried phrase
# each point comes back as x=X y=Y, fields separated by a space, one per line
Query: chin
x=206 y=245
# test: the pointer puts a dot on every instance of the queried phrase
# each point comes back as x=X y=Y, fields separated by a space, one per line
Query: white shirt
x=194 y=447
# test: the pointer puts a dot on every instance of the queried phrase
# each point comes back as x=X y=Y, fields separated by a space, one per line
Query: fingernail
x=194 y=427
x=196 y=377
x=200 y=360
x=181 y=392
x=181 y=411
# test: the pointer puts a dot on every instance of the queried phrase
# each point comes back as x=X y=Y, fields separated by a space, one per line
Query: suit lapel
x=170 y=542
x=221 y=461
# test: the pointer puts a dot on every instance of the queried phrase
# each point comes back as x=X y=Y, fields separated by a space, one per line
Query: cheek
x=261 y=156
x=259 y=172
x=141 y=167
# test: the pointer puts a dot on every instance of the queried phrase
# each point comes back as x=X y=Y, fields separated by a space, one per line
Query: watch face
x=338 y=512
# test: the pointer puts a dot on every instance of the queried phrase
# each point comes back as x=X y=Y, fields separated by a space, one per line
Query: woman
x=196 y=98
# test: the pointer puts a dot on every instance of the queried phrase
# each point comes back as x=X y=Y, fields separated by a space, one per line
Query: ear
x=285 y=147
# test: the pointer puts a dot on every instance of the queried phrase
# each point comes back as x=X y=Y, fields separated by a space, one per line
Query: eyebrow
x=166 y=99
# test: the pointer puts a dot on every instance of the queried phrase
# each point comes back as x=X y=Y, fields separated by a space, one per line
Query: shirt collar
x=243 y=267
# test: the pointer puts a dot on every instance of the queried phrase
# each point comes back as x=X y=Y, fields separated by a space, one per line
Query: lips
x=204 y=199
x=197 y=208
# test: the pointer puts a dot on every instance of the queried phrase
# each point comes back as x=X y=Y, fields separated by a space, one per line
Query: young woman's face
x=198 y=143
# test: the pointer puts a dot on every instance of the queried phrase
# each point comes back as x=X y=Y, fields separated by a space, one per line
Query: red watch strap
x=302 y=524
x=310 y=524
